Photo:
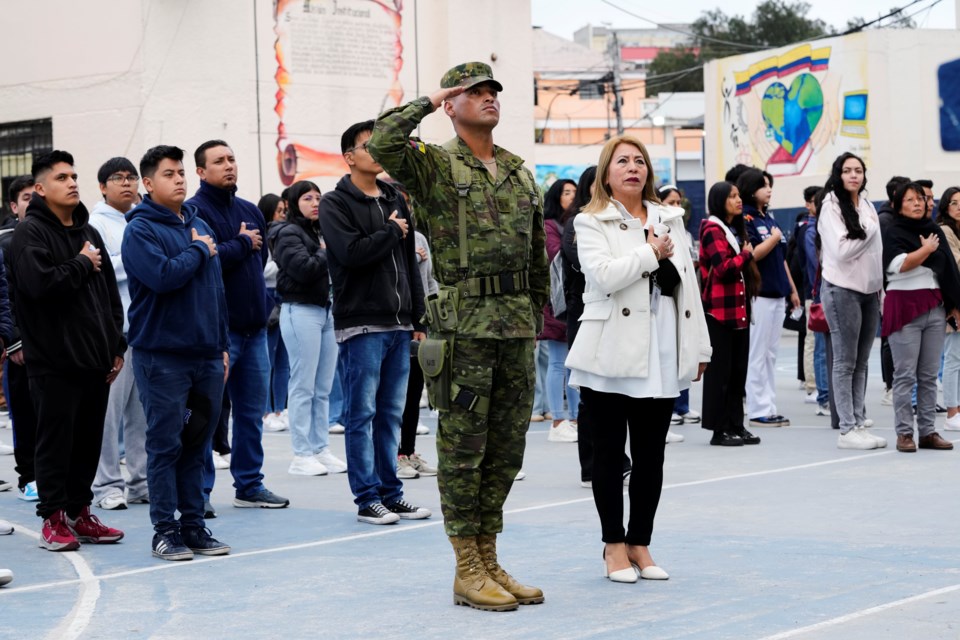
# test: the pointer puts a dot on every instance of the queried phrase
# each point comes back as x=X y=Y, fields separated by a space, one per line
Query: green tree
x=896 y=20
x=775 y=23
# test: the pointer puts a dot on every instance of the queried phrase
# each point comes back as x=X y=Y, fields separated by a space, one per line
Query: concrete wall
x=119 y=76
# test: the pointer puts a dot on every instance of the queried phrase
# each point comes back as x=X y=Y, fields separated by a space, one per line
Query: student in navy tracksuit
x=178 y=331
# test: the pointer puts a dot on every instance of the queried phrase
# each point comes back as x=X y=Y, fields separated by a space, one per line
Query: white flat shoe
x=653 y=572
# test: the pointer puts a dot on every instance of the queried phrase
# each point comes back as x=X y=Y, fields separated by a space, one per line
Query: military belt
x=495 y=285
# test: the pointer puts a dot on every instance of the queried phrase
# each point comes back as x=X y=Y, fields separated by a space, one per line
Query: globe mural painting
x=782 y=110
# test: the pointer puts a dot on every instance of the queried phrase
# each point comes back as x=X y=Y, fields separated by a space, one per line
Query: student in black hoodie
x=371 y=254
x=71 y=323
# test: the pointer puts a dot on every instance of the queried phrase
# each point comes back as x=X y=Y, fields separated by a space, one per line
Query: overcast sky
x=563 y=17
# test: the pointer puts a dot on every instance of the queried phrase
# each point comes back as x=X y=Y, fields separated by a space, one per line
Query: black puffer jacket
x=302 y=274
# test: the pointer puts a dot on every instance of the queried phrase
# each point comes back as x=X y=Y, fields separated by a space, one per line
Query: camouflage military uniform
x=503 y=283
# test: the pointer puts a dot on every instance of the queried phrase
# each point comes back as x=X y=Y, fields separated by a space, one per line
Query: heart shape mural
x=792 y=114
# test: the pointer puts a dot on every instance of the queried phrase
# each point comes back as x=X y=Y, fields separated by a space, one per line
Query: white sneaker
x=881 y=442
x=405 y=469
x=887 y=399
x=424 y=401
x=867 y=423
x=307 y=466
x=691 y=417
x=676 y=419
x=221 y=462
x=5 y=450
x=337 y=429
x=422 y=429
x=6 y=576
x=520 y=476
x=274 y=423
x=823 y=410
x=586 y=484
x=331 y=462
x=810 y=398
x=563 y=432
x=422 y=465
x=113 y=501
x=5 y=528
x=674 y=437
x=856 y=439
x=952 y=424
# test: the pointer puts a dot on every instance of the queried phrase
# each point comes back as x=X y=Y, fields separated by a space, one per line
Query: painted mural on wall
x=793 y=110
x=547 y=174
x=338 y=62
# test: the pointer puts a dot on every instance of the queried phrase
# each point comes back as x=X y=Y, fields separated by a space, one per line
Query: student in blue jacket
x=178 y=331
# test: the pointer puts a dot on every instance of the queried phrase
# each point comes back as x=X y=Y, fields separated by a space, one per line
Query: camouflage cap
x=469 y=74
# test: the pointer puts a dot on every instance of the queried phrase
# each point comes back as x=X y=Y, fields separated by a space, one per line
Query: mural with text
x=793 y=110
x=338 y=62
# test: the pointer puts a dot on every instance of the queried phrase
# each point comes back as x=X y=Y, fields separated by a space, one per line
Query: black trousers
x=221 y=435
x=411 y=410
x=886 y=364
x=647 y=420
x=24 y=422
x=70 y=412
x=725 y=379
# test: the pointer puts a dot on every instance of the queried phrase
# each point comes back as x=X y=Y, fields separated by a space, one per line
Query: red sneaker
x=88 y=528
x=56 y=535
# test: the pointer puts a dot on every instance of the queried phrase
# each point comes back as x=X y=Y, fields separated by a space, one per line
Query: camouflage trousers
x=479 y=455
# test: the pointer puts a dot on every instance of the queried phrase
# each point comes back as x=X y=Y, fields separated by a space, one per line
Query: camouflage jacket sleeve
x=539 y=268
x=410 y=161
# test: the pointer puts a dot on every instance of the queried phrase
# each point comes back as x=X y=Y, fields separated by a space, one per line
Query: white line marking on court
x=862 y=613
x=76 y=622
x=409 y=527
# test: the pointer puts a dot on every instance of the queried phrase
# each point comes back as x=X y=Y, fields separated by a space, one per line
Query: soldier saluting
x=482 y=212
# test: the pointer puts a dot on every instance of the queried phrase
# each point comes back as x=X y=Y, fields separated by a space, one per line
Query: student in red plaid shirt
x=730 y=279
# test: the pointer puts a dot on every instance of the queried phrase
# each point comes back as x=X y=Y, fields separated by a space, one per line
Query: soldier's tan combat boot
x=487 y=543
x=473 y=586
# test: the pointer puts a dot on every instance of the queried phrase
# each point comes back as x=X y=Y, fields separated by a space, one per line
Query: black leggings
x=647 y=420
x=725 y=378
x=411 y=411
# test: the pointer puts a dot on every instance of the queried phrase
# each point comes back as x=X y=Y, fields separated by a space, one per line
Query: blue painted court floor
x=790 y=539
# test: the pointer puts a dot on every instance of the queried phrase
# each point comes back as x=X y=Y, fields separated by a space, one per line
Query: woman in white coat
x=643 y=338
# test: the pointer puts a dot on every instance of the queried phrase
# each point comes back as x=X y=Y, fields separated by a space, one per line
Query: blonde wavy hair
x=602 y=194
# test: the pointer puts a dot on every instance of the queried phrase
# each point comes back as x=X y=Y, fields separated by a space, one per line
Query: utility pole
x=614 y=51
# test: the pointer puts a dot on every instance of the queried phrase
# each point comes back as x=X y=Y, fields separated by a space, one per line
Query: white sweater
x=851 y=264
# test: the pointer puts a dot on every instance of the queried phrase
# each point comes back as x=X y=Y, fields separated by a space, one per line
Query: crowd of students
x=151 y=348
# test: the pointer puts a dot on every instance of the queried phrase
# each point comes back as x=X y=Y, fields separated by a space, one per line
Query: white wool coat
x=614 y=336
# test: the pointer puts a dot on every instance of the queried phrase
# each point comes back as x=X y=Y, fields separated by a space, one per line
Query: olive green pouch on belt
x=433 y=357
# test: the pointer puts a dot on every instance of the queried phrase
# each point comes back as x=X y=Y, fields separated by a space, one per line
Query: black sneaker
x=209 y=513
x=202 y=542
x=724 y=439
x=748 y=438
x=376 y=513
x=407 y=511
x=264 y=498
x=169 y=546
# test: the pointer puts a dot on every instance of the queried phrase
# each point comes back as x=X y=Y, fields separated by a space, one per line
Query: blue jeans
x=541 y=362
x=279 y=372
x=557 y=378
x=820 y=368
x=681 y=405
x=312 y=347
x=175 y=472
x=375 y=371
x=336 y=394
x=247 y=389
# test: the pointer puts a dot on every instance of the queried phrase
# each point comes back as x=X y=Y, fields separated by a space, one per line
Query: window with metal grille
x=20 y=144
